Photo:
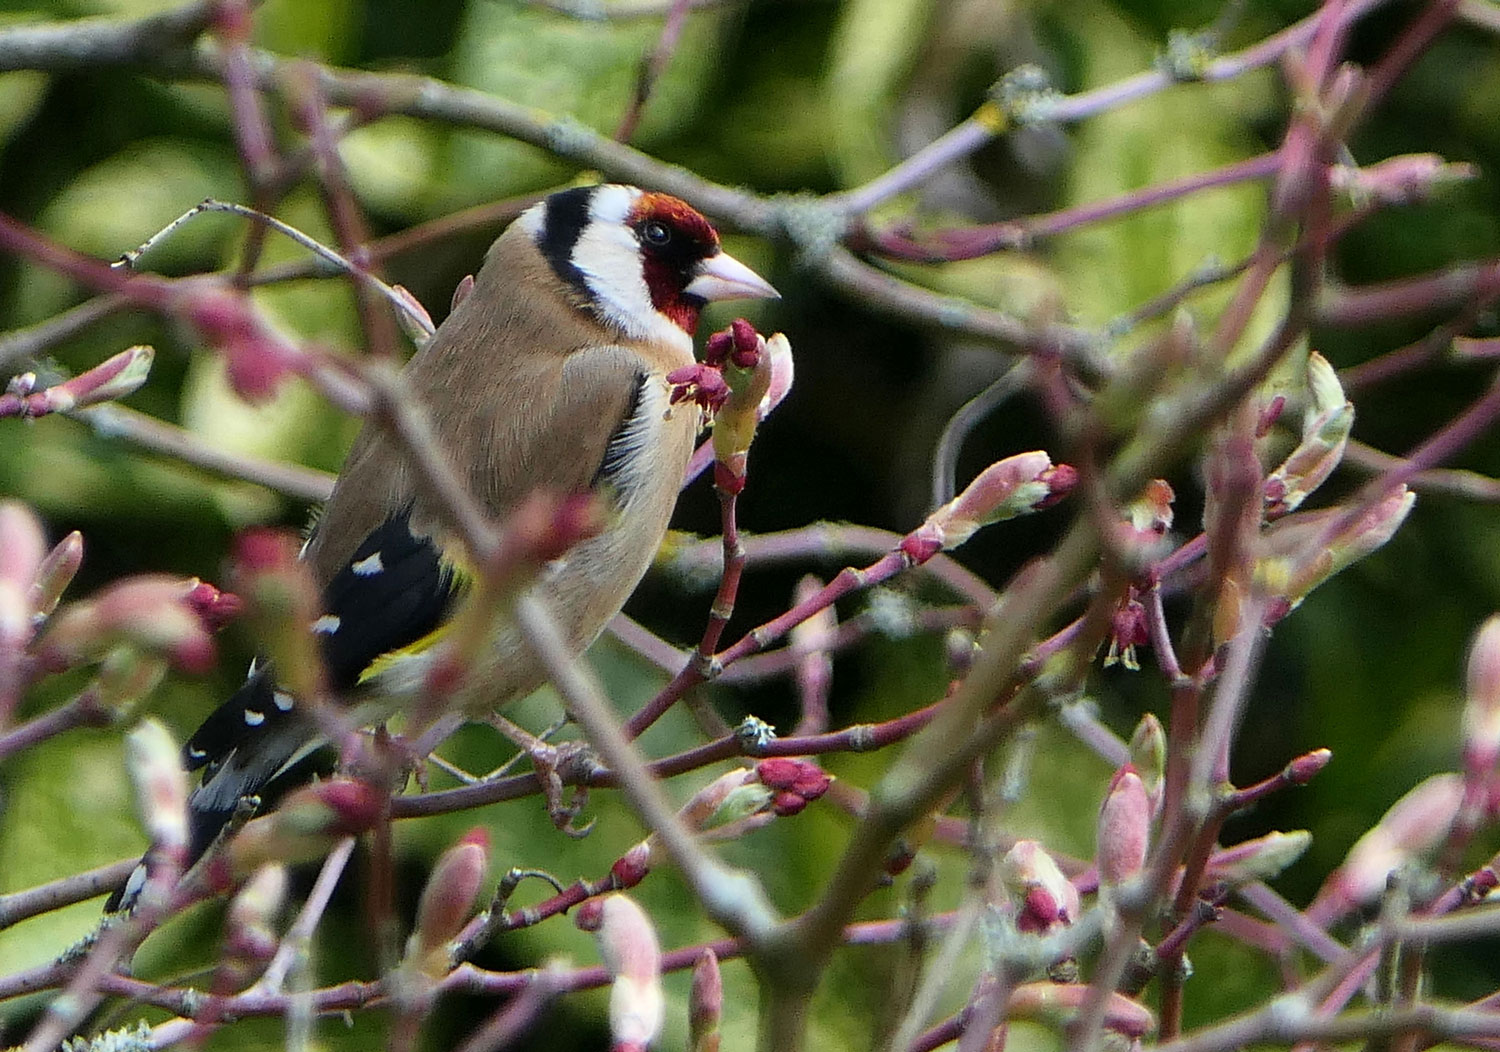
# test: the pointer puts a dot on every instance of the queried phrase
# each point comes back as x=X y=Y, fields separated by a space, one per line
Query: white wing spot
x=368 y=567
x=253 y=718
x=283 y=700
x=196 y=754
x=326 y=625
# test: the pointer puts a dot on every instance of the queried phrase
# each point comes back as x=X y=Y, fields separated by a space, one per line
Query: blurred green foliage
x=810 y=95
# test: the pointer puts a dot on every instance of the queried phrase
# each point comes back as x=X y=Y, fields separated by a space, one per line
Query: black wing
x=392 y=592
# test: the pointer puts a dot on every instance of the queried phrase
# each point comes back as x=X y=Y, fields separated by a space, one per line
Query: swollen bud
x=1414 y=825
x=149 y=612
x=1044 y=897
x=282 y=602
x=161 y=786
x=705 y=1004
x=1325 y=434
x=1148 y=752
x=22 y=550
x=56 y=573
x=1261 y=859
x=795 y=783
x=1124 y=828
x=307 y=825
x=1017 y=485
x=447 y=901
x=631 y=953
x=1481 y=720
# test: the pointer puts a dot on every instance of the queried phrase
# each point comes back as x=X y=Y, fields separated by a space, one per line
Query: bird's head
x=644 y=263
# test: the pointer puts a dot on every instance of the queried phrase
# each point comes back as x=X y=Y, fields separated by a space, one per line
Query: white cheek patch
x=608 y=256
x=326 y=625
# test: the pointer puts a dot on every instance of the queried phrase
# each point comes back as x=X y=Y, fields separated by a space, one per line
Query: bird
x=550 y=373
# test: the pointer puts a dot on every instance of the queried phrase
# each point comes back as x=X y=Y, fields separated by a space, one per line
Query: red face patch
x=674 y=239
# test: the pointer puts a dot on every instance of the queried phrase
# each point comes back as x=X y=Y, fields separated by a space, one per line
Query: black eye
x=656 y=234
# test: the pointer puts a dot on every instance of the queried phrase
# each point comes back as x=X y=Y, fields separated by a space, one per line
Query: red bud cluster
x=796 y=783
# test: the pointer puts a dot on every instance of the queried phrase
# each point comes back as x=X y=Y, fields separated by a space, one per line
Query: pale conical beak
x=723 y=277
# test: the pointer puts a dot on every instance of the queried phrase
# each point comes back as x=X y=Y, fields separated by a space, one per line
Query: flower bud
x=779 y=350
x=796 y=783
x=148 y=612
x=748 y=373
x=1044 y=897
x=113 y=378
x=1124 y=828
x=632 y=955
x=1414 y=825
x=1261 y=859
x=56 y=573
x=1149 y=516
x=631 y=868
x=1325 y=434
x=1481 y=719
x=447 y=901
x=705 y=1004
x=161 y=790
x=1299 y=557
x=1058 y=1004
x=215 y=608
x=22 y=550
x=1148 y=752
x=732 y=796
x=307 y=824
x=1017 y=485
x=1404 y=179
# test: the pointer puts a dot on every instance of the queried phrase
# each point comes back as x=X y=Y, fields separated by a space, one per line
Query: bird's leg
x=551 y=762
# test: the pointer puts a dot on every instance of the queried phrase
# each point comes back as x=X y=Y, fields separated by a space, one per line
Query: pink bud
x=1306 y=767
x=447 y=901
x=155 y=765
x=631 y=868
x=1148 y=752
x=1414 y=825
x=22 y=550
x=215 y=608
x=1403 y=179
x=705 y=1003
x=149 y=611
x=307 y=824
x=1261 y=859
x=1124 y=828
x=1269 y=414
x=1058 y=1004
x=1481 y=718
x=1045 y=897
x=113 y=378
x=779 y=351
x=631 y=953
x=1017 y=485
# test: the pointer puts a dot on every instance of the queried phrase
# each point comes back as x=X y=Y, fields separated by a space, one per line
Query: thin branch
x=116 y=421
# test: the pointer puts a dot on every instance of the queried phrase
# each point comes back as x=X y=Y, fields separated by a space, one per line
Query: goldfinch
x=551 y=372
